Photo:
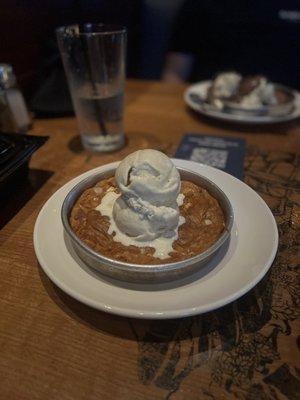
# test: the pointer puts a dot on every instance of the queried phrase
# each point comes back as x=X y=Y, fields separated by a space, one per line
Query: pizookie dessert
x=249 y=92
x=146 y=215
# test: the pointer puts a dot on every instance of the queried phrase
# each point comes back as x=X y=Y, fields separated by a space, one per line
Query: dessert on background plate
x=145 y=214
x=231 y=92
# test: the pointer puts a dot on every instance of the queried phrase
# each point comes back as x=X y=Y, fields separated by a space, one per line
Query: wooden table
x=53 y=347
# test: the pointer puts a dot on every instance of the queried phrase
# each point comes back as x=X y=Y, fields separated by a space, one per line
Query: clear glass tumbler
x=94 y=60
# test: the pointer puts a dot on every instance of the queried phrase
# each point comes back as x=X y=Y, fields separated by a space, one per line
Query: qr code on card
x=215 y=158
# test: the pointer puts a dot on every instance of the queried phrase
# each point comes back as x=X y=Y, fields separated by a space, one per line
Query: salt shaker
x=14 y=116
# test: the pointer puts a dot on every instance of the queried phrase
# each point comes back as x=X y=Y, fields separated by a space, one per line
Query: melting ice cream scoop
x=146 y=213
x=149 y=185
x=256 y=91
x=225 y=85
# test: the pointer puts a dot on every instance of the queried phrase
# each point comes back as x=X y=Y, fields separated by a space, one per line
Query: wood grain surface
x=53 y=347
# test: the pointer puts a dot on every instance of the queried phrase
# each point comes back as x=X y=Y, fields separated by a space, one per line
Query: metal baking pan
x=141 y=273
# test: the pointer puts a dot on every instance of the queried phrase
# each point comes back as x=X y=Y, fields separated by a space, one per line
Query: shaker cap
x=7 y=76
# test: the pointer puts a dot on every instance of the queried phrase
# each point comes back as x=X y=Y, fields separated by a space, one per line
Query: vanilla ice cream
x=225 y=85
x=262 y=94
x=146 y=213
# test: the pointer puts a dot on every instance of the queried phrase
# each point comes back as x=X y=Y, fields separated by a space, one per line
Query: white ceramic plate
x=236 y=269
x=201 y=89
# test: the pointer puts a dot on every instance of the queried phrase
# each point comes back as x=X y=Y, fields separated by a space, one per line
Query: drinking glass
x=94 y=61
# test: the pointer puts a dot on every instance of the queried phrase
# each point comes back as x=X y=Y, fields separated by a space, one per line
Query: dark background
x=27 y=39
x=27 y=32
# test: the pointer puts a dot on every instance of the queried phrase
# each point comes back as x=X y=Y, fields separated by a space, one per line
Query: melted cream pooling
x=163 y=246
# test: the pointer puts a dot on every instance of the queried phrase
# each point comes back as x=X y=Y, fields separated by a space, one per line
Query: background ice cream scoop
x=149 y=185
x=256 y=91
x=225 y=85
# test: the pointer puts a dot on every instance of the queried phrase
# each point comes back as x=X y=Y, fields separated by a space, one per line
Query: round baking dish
x=145 y=273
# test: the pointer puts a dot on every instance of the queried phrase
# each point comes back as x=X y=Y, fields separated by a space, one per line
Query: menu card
x=225 y=153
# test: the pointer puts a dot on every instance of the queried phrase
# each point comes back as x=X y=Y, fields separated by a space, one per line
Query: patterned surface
x=247 y=350
x=53 y=347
